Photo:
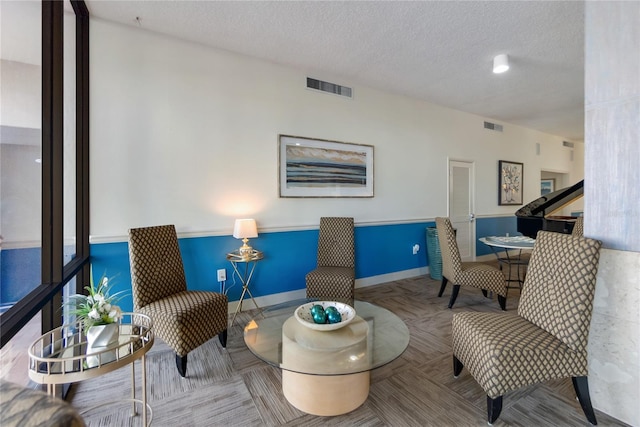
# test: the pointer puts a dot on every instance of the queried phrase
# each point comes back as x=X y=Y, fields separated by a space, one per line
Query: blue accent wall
x=388 y=248
x=112 y=260
x=288 y=257
x=495 y=226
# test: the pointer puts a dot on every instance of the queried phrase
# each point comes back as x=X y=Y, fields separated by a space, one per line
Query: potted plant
x=98 y=315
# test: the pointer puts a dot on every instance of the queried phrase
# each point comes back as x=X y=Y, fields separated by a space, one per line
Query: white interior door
x=461 y=206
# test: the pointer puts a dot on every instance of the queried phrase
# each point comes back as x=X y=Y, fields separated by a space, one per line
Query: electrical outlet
x=222 y=275
x=416 y=248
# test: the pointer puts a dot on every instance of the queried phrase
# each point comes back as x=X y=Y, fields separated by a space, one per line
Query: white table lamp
x=245 y=229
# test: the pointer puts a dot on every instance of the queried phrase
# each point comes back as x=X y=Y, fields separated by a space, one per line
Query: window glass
x=20 y=150
x=14 y=357
x=20 y=172
x=69 y=126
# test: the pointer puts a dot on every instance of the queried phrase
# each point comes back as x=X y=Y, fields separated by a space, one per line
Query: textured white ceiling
x=438 y=51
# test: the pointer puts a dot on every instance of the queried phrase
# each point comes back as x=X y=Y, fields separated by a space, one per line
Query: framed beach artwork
x=319 y=168
x=510 y=182
x=547 y=186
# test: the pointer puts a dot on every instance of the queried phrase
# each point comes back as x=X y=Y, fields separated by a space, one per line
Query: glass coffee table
x=326 y=373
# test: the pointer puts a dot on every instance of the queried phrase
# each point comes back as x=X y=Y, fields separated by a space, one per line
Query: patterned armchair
x=578 y=227
x=547 y=339
x=475 y=274
x=334 y=277
x=24 y=407
x=183 y=319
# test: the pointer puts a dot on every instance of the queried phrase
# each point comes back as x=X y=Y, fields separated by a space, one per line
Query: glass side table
x=60 y=357
x=250 y=261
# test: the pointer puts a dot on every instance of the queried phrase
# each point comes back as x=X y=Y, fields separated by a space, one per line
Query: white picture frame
x=311 y=167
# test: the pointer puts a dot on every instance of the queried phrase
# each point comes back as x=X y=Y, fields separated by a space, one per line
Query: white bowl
x=303 y=315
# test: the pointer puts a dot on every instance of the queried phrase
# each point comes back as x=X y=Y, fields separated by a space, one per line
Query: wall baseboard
x=390 y=277
x=267 y=300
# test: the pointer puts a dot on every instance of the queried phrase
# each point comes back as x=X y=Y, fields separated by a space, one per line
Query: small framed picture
x=510 y=182
x=547 y=186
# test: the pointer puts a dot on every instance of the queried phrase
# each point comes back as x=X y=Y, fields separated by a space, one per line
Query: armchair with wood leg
x=183 y=319
x=547 y=338
x=485 y=277
x=334 y=277
x=578 y=227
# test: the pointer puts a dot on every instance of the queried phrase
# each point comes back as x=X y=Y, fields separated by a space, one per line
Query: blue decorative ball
x=316 y=308
x=333 y=316
x=319 y=317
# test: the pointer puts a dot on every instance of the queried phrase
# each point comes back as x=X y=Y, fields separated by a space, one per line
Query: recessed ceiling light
x=501 y=63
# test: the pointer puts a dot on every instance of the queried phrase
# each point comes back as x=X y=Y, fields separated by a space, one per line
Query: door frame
x=470 y=164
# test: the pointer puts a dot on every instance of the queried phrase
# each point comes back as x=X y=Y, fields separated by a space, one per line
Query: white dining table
x=501 y=245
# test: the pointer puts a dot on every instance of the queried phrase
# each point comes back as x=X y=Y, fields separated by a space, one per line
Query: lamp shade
x=245 y=229
x=500 y=63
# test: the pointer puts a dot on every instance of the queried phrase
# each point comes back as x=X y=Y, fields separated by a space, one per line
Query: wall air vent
x=493 y=126
x=567 y=144
x=328 y=87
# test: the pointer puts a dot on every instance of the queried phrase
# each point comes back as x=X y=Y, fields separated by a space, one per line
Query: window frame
x=47 y=297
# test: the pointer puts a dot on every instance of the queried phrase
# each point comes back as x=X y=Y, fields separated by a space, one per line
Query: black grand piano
x=538 y=215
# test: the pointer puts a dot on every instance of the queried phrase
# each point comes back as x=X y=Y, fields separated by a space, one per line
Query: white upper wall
x=21 y=100
x=186 y=134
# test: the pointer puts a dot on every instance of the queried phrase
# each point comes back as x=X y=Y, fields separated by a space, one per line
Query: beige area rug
x=231 y=387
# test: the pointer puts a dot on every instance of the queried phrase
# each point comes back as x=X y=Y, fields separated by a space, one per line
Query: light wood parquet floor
x=231 y=387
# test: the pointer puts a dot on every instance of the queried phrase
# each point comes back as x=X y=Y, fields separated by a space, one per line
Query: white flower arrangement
x=97 y=308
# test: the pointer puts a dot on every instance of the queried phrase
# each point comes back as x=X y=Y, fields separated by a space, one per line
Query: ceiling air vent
x=328 y=87
x=567 y=144
x=493 y=126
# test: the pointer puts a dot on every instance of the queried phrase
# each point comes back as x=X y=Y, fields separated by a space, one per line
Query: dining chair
x=547 y=338
x=334 y=277
x=578 y=227
x=181 y=318
x=479 y=275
